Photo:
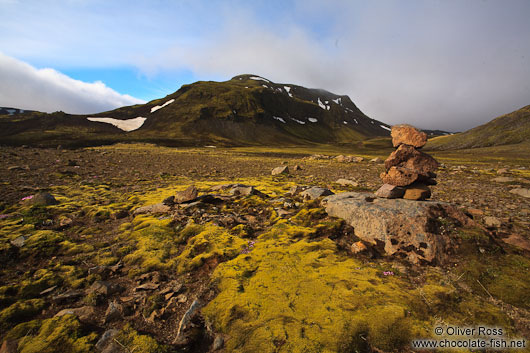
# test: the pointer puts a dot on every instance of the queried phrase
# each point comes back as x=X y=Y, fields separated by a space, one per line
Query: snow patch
x=278 y=118
x=320 y=104
x=337 y=101
x=313 y=120
x=386 y=127
x=356 y=122
x=125 y=125
x=265 y=86
x=257 y=78
x=155 y=108
x=288 y=89
x=345 y=122
x=298 y=121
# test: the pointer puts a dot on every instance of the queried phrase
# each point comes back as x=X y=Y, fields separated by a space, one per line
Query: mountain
x=512 y=128
x=246 y=110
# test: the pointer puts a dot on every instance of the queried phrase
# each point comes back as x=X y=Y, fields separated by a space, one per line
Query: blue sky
x=436 y=64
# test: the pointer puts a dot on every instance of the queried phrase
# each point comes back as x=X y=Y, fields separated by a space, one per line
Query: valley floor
x=269 y=273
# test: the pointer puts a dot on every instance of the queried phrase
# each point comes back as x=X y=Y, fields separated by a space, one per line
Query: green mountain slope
x=246 y=110
x=512 y=128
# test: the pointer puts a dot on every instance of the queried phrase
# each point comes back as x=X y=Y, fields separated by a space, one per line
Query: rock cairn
x=409 y=172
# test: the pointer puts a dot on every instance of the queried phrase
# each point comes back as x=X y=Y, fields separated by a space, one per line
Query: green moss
x=212 y=241
x=42 y=243
x=20 y=311
x=139 y=343
x=39 y=281
x=61 y=334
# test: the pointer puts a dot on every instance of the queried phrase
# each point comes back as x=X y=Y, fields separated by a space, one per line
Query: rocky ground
x=230 y=267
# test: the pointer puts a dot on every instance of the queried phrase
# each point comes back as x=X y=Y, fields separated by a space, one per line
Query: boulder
x=388 y=191
x=315 y=192
x=403 y=228
x=44 y=199
x=243 y=190
x=187 y=195
x=113 y=312
x=280 y=170
x=408 y=135
x=417 y=191
x=521 y=192
x=399 y=176
x=408 y=157
x=376 y=160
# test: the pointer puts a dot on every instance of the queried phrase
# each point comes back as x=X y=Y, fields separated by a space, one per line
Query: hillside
x=246 y=110
x=512 y=128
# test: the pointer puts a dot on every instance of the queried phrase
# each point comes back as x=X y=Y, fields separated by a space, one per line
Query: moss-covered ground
x=272 y=273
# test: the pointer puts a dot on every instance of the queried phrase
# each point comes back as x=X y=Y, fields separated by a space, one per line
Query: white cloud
x=26 y=87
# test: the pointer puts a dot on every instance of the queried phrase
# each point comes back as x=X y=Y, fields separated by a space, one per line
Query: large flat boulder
x=403 y=228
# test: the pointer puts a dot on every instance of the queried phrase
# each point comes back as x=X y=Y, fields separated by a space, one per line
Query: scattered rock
x=315 y=192
x=18 y=241
x=187 y=195
x=104 y=288
x=280 y=170
x=296 y=189
x=349 y=159
x=503 y=179
x=403 y=228
x=417 y=191
x=147 y=286
x=114 y=312
x=517 y=241
x=65 y=222
x=243 y=190
x=492 y=222
x=521 y=192
x=221 y=187
x=156 y=208
x=475 y=212
x=84 y=313
x=347 y=182
x=297 y=167
x=185 y=322
x=44 y=199
x=389 y=191
x=358 y=247
x=48 y=290
x=410 y=158
x=408 y=135
x=68 y=296
x=376 y=160
x=503 y=171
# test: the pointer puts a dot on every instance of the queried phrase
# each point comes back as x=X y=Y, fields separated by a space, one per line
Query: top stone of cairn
x=408 y=135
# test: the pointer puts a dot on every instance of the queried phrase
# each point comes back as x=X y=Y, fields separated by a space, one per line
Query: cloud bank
x=26 y=87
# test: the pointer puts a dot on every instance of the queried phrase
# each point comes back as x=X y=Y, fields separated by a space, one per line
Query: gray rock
x=296 y=189
x=18 y=241
x=402 y=227
x=521 y=192
x=242 y=190
x=280 y=170
x=315 y=192
x=347 y=182
x=188 y=195
x=185 y=322
x=156 y=208
x=84 y=313
x=492 y=222
x=388 y=191
x=113 y=312
x=106 y=339
x=218 y=343
x=44 y=199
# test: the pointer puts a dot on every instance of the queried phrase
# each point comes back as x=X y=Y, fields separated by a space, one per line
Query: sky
x=436 y=64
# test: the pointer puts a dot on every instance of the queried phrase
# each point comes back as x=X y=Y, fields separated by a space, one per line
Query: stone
x=315 y=192
x=185 y=322
x=410 y=158
x=388 y=191
x=44 y=199
x=243 y=190
x=475 y=212
x=156 y=208
x=187 y=195
x=147 y=286
x=18 y=241
x=376 y=160
x=9 y=346
x=492 y=222
x=347 y=182
x=358 y=247
x=517 y=241
x=65 y=222
x=297 y=167
x=70 y=295
x=403 y=228
x=218 y=343
x=417 y=191
x=106 y=339
x=408 y=135
x=521 y=192
x=280 y=170
x=104 y=288
x=503 y=179
x=84 y=313
x=113 y=312
x=348 y=159
x=502 y=171
x=296 y=189
x=399 y=176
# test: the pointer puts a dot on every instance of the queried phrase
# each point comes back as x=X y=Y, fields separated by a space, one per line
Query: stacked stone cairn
x=409 y=172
